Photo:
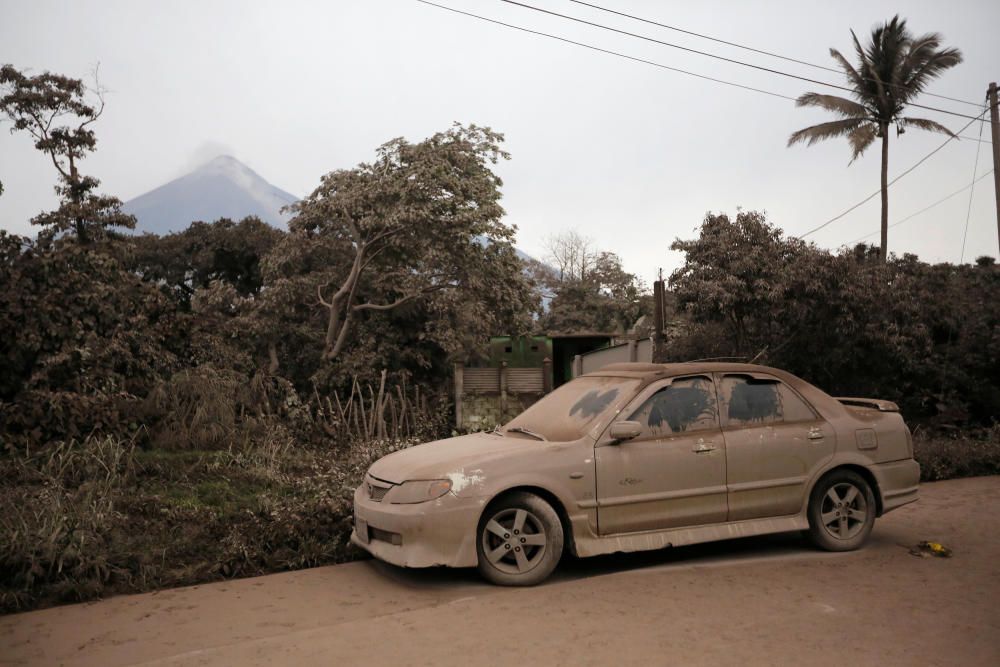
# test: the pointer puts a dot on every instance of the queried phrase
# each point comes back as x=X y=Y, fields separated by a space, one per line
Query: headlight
x=418 y=491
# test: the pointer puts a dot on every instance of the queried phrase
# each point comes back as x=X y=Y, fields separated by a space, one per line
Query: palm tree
x=891 y=72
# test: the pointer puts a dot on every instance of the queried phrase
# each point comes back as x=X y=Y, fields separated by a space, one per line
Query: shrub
x=958 y=455
x=83 y=519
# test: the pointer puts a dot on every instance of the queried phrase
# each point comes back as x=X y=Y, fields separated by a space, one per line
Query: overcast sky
x=628 y=154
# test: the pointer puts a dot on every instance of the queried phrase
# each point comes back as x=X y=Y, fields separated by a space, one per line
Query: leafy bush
x=958 y=455
x=926 y=336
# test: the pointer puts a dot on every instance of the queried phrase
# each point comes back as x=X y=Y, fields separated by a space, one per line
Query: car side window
x=683 y=406
x=748 y=401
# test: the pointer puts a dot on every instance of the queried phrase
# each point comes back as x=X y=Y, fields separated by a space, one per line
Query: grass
x=88 y=519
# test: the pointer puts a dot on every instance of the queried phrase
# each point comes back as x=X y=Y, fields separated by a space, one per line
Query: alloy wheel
x=844 y=511
x=514 y=541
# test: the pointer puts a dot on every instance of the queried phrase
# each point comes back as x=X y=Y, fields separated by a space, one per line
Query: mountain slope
x=221 y=188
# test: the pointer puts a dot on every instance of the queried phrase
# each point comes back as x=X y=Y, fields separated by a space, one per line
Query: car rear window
x=752 y=401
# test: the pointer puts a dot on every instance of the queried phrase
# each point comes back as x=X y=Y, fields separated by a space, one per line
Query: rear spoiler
x=874 y=403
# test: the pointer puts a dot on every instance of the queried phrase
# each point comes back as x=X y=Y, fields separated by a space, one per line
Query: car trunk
x=882 y=434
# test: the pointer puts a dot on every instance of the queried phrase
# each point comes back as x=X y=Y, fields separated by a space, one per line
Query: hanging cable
x=753 y=50
x=972 y=190
x=607 y=51
x=924 y=209
x=716 y=56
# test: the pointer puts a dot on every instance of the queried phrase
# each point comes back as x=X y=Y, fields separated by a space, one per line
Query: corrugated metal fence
x=485 y=397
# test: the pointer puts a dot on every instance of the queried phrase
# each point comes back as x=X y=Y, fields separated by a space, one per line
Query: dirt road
x=748 y=602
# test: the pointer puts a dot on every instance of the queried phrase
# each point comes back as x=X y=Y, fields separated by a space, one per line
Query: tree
x=226 y=251
x=40 y=105
x=594 y=293
x=571 y=254
x=738 y=274
x=91 y=339
x=919 y=334
x=420 y=220
x=893 y=69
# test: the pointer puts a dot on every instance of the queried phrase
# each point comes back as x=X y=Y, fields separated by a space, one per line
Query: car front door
x=674 y=472
x=775 y=442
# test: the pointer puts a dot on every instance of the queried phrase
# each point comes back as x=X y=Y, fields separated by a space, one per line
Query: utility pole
x=658 y=351
x=995 y=135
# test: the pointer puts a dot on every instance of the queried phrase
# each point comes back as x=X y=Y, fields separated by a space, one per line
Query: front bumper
x=437 y=532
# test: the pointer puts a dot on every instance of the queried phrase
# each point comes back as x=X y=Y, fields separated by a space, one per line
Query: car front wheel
x=841 y=511
x=520 y=540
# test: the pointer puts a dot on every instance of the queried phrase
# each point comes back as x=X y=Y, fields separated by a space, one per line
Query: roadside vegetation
x=201 y=405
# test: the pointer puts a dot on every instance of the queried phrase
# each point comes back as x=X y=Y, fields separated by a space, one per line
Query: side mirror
x=624 y=430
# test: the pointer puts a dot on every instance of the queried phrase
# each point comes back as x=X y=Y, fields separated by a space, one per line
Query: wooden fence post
x=458 y=394
x=546 y=375
x=503 y=391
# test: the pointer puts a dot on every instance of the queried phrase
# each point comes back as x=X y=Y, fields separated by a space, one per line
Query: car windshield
x=567 y=412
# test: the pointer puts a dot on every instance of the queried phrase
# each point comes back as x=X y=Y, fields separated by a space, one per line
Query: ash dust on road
x=770 y=600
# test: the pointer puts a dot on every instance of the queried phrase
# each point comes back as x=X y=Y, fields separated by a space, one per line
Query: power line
x=980 y=140
x=700 y=76
x=924 y=209
x=713 y=55
x=713 y=39
x=607 y=51
x=879 y=191
x=753 y=50
x=972 y=190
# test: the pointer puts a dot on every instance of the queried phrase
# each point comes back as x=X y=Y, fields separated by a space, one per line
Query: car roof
x=648 y=371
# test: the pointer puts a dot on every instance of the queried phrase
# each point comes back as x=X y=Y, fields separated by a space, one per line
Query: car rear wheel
x=520 y=540
x=841 y=511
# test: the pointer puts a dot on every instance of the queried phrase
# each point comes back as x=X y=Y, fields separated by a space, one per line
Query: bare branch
x=319 y=293
x=403 y=299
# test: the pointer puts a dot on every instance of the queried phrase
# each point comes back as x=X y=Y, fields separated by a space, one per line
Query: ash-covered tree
x=224 y=250
x=58 y=112
x=420 y=221
x=587 y=289
x=919 y=334
x=753 y=285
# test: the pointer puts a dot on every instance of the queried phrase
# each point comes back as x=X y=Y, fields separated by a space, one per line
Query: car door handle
x=701 y=447
x=815 y=434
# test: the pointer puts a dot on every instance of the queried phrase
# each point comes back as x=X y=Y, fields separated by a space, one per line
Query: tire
x=519 y=540
x=841 y=511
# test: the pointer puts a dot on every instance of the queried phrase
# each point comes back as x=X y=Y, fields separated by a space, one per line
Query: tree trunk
x=884 y=249
x=76 y=197
x=336 y=327
x=272 y=353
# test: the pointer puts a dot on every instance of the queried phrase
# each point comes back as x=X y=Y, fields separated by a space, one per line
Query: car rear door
x=674 y=473
x=775 y=442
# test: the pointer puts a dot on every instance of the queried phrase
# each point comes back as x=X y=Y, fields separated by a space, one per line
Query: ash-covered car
x=636 y=457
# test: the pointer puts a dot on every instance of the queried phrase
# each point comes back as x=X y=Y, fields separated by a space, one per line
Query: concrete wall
x=641 y=350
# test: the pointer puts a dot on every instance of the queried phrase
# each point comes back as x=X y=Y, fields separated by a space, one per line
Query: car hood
x=464 y=459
